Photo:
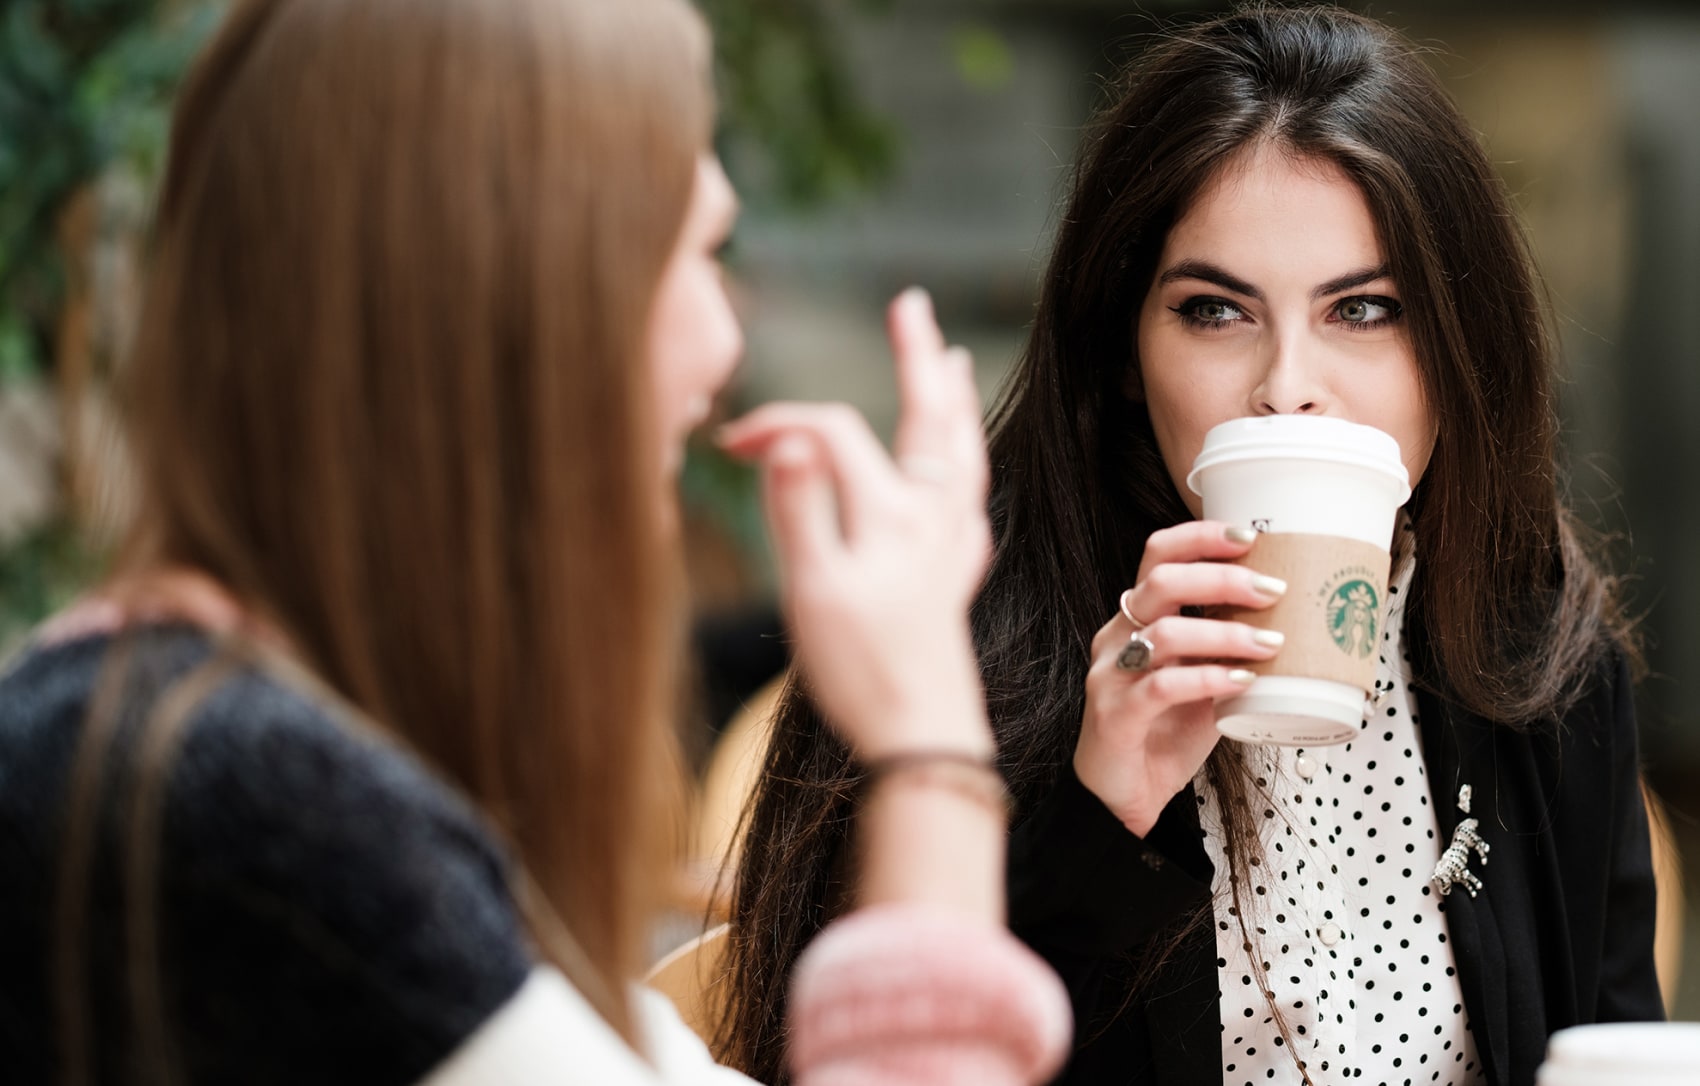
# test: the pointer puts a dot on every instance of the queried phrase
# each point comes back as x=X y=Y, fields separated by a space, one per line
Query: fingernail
x=1271 y=639
x=1242 y=676
x=1269 y=586
x=918 y=296
x=1240 y=535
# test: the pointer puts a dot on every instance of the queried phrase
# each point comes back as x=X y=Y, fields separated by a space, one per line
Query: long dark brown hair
x=390 y=391
x=1078 y=483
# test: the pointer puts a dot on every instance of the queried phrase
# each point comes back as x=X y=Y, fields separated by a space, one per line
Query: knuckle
x=1161 y=685
x=840 y=416
x=1100 y=642
x=1166 y=535
x=1172 y=685
x=1161 y=579
x=911 y=522
x=1096 y=677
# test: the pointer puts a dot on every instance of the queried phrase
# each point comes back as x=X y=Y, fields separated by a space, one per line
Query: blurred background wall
x=880 y=143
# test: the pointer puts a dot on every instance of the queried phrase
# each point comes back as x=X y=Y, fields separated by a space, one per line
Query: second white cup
x=1623 y=1054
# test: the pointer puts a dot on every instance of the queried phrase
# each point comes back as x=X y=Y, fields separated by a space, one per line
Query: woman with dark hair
x=358 y=769
x=1280 y=211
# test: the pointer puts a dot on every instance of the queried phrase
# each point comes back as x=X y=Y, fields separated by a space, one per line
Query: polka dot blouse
x=1350 y=935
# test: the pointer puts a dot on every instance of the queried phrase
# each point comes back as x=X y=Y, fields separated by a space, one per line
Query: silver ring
x=1124 y=606
x=1136 y=654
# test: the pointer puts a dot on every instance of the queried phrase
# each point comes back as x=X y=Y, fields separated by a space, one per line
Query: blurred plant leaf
x=18 y=356
x=983 y=58
x=790 y=104
x=40 y=574
x=83 y=84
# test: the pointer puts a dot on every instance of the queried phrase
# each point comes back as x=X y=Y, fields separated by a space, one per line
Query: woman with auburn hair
x=358 y=769
x=1278 y=212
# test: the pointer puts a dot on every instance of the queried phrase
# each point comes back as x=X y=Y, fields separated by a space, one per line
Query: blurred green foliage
x=39 y=574
x=84 y=84
x=983 y=57
x=789 y=105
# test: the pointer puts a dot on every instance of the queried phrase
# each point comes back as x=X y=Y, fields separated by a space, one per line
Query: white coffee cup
x=1623 y=1054
x=1332 y=488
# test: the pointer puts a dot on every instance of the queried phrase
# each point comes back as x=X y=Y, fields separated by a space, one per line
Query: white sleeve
x=681 y=1057
x=548 y=1035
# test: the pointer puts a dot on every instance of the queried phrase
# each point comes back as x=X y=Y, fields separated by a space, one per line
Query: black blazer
x=1561 y=934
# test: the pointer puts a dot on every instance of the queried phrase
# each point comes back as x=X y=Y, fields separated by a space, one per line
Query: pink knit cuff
x=900 y=994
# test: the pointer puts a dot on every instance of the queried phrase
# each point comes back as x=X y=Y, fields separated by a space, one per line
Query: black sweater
x=329 y=911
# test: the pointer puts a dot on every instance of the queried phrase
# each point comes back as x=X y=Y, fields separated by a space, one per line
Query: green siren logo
x=1354 y=610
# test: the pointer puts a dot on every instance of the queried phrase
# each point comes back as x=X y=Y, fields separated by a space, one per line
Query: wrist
x=970 y=774
x=930 y=733
x=933 y=839
x=1136 y=817
x=939 y=708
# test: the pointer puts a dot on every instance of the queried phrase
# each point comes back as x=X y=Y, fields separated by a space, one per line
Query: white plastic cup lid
x=1620 y=1046
x=1300 y=437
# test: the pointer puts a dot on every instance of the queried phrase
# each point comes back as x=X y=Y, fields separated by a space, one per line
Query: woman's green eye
x=1367 y=311
x=1203 y=312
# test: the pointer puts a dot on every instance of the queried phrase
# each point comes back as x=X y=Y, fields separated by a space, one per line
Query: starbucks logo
x=1353 y=612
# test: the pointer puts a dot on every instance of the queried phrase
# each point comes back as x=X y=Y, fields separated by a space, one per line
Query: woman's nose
x=1291 y=382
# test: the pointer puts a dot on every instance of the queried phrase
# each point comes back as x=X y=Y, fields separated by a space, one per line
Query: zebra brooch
x=1453 y=868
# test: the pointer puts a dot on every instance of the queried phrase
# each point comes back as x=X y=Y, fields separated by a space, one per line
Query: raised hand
x=880 y=556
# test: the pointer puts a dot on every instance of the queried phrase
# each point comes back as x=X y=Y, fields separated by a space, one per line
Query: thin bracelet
x=970 y=775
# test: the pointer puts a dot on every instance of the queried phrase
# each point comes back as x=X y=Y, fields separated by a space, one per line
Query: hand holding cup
x=1146 y=731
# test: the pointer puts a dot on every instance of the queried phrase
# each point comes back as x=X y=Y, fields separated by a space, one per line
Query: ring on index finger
x=1125 y=605
x=1136 y=655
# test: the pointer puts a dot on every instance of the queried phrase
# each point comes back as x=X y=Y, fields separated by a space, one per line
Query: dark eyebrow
x=1210 y=273
x=1349 y=280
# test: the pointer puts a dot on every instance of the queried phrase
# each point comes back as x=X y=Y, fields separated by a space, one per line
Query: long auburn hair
x=1513 y=608
x=390 y=390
